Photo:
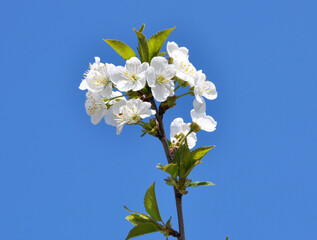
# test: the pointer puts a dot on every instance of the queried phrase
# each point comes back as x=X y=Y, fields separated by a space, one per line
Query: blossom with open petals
x=203 y=88
x=130 y=77
x=179 y=129
x=97 y=78
x=95 y=107
x=198 y=114
x=159 y=77
x=127 y=112
x=185 y=69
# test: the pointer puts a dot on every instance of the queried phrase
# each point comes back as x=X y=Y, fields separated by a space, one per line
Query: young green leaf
x=170 y=169
x=178 y=155
x=136 y=219
x=141 y=214
x=143 y=46
x=199 y=153
x=168 y=223
x=198 y=184
x=157 y=40
x=187 y=162
x=150 y=203
x=188 y=167
x=142 y=229
x=162 y=54
x=121 y=48
x=170 y=181
x=142 y=28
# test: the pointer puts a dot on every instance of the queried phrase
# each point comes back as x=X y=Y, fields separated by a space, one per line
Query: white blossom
x=198 y=114
x=97 y=78
x=203 y=88
x=185 y=69
x=159 y=77
x=130 y=77
x=95 y=107
x=179 y=130
x=127 y=112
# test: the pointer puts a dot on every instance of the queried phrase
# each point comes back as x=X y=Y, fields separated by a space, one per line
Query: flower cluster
x=122 y=94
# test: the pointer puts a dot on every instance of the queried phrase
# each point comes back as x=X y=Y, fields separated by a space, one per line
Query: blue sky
x=63 y=178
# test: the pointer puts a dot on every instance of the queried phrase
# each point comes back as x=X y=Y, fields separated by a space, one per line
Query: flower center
x=134 y=77
x=135 y=118
x=161 y=79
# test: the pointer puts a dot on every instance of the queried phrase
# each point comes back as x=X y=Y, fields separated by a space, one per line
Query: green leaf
x=162 y=54
x=157 y=40
x=142 y=28
x=121 y=48
x=137 y=219
x=178 y=155
x=199 y=153
x=141 y=214
x=170 y=181
x=168 y=223
x=187 y=162
x=150 y=203
x=170 y=169
x=198 y=184
x=188 y=167
x=143 y=46
x=142 y=229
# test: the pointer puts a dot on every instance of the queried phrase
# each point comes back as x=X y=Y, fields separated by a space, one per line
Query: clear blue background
x=63 y=178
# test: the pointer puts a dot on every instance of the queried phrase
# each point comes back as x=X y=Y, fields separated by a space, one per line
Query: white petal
x=159 y=63
x=150 y=76
x=194 y=115
x=83 y=85
x=191 y=140
x=199 y=77
x=143 y=106
x=96 y=118
x=210 y=92
x=183 y=51
x=109 y=118
x=169 y=71
x=125 y=85
x=169 y=85
x=198 y=98
x=119 y=128
x=144 y=66
x=211 y=95
x=160 y=93
x=133 y=65
x=176 y=127
x=107 y=91
x=207 y=123
x=97 y=60
x=200 y=107
x=118 y=74
x=110 y=67
x=171 y=47
x=139 y=84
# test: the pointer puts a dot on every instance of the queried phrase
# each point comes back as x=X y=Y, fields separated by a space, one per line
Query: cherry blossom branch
x=178 y=195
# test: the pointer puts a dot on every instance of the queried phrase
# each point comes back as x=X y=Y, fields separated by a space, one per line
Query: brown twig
x=178 y=195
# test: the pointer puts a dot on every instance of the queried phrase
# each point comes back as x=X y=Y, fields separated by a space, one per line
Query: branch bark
x=178 y=195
